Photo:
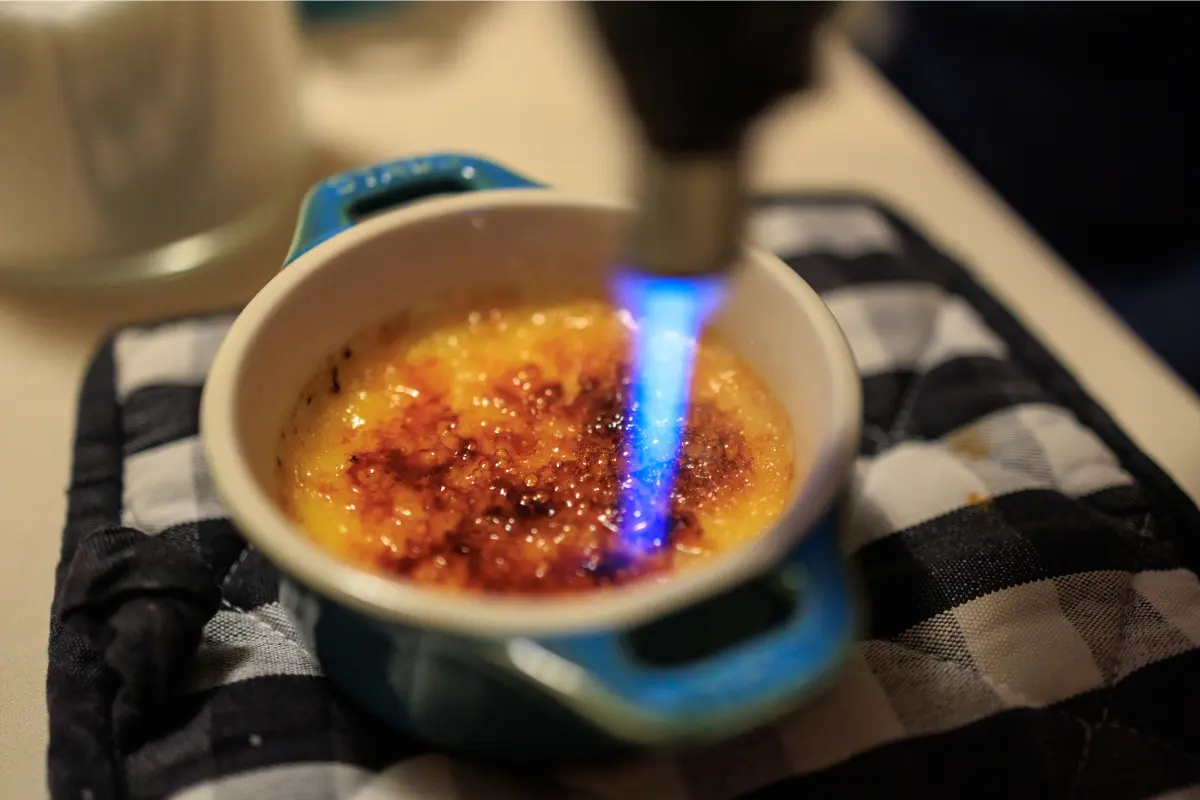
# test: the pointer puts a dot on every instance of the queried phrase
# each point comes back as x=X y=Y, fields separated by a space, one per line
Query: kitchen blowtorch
x=696 y=76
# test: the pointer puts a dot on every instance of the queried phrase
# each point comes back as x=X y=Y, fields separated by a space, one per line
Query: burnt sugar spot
x=520 y=508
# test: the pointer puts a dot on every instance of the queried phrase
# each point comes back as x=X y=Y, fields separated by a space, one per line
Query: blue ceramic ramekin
x=696 y=658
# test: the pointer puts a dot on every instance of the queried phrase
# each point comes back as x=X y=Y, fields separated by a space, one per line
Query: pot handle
x=604 y=680
x=343 y=200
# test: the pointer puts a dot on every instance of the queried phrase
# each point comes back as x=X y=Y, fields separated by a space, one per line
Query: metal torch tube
x=691 y=213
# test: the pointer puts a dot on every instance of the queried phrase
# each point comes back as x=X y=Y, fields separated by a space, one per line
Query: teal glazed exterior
x=693 y=676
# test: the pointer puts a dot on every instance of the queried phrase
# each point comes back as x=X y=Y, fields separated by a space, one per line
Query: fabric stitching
x=1110 y=684
x=1114 y=662
x=1034 y=706
x=268 y=627
x=877 y=435
x=992 y=682
x=899 y=427
x=1146 y=530
x=241 y=559
x=1077 y=778
x=898 y=430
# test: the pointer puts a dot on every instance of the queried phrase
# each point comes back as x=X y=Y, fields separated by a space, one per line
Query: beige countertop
x=523 y=84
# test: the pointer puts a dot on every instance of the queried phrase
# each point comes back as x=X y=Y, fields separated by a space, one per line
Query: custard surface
x=484 y=453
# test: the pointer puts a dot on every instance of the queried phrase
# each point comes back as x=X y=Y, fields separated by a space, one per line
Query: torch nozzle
x=690 y=217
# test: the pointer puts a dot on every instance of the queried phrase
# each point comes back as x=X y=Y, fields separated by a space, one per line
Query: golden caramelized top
x=485 y=454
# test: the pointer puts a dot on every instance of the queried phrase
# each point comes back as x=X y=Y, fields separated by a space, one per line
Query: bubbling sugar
x=485 y=453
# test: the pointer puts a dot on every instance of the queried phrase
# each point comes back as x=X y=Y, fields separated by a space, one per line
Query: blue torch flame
x=668 y=316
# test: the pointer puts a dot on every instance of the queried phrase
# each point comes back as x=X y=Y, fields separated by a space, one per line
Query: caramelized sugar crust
x=486 y=454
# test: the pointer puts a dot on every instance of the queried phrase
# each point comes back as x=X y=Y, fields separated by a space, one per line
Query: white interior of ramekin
x=424 y=255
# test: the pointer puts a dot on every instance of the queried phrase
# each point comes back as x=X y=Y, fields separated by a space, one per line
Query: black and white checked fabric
x=1036 y=616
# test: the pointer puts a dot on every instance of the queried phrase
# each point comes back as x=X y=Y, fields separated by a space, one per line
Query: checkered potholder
x=1036 y=619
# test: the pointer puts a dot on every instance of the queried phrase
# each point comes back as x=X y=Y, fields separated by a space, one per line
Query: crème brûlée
x=485 y=453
